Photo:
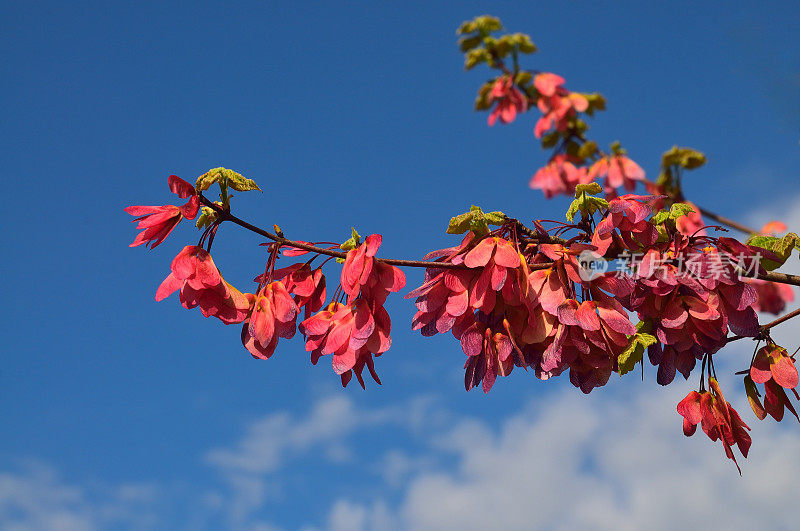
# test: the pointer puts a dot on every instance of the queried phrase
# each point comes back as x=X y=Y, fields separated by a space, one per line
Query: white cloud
x=783 y=208
x=252 y=465
x=35 y=497
x=252 y=470
x=396 y=466
x=788 y=211
x=268 y=440
x=604 y=461
x=615 y=459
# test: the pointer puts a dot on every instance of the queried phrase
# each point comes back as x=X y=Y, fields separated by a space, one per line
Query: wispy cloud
x=34 y=497
x=618 y=461
x=252 y=465
x=615 y=459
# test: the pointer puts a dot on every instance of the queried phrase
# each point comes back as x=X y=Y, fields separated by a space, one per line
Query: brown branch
x=781 y=278
x=780 y=320
x=534 y=234
x=769 y=325
x=225 y=215
x=729 y=222
x=711 y=215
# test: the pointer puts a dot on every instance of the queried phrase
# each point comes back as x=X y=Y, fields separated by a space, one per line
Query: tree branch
x=729 y=222
x=771 y=324
x=225 y=215
x=781 y=278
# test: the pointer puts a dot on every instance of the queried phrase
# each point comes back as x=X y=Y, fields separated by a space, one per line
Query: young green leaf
x=780 y=247
x=225 y=177
x=634 y=353
x=753 y=397
x=475 y=220
x=590 y=188
x=206 y=217
x=353 y=242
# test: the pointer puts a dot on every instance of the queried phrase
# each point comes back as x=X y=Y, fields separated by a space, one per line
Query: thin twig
x=780 y=278
x=534 y=234
x=227 y=216
x=707 y=213
x=729 y=222
x=771 y=324
x=780 y=320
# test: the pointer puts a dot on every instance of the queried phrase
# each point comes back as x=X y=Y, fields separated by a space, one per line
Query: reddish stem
x=771 y=324
x=729 y=222
x=225 y=215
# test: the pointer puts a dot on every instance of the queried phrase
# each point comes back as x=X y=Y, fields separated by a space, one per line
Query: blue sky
x=121 y=412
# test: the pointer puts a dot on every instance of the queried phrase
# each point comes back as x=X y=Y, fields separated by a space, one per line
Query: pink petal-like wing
x=547 y=83
x=262 y=322
x=587 y=317
x=699 y=309
x=614 y=179
x=283 y=306
x=631 y=169
x=784 y=372
x=146 y=210
x=744 y=323
x=472 y=342
x=457 y=303
x=481 y=254
x=294 y=251
x=480 y=291
x=488 y=379
x=372 y=243
x=424 y=288
x=185 y=262
x=170 y=285
x=352 y=269
x=774 y=399
x=457 y=281
x=600 y=169
x=285 y=330
x=566 y=312
x=616 y=321
x=498 y=277
x=317 y=324
x=491 y=120
x=508 y=112
x=505 y=255
x=369 y=262
x=674 y=315
x=774 y=228
x=398 y=281
x=543 y=124
x=205 y=271
x=363 y=322
x=254 y=347
x=338 y=336
x=379 y=342
x=504 y=347
x=180 y=187
x=344 y=361
x=189 y=210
